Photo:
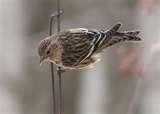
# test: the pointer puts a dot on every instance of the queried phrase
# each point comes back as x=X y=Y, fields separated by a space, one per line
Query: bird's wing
x=78 y=44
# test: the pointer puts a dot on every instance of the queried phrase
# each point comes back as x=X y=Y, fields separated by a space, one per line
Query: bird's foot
x=60 y=70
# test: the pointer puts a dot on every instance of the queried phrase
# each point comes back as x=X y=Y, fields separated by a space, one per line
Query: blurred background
x=126 y=81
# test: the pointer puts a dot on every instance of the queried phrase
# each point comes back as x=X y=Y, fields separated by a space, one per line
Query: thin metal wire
x=58 y=16
x=52 y=73
x=59 y=68
x=60 y=89
x=59 y=71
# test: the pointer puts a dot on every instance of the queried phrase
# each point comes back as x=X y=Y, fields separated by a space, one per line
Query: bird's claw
x=60 y=70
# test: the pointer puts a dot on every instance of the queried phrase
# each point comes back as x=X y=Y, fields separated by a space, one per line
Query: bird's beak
x=41 y=61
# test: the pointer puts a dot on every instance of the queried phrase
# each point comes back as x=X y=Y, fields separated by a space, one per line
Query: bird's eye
x=48 y=52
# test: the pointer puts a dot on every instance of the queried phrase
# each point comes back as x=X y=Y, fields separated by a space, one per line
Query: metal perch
x=59 y=71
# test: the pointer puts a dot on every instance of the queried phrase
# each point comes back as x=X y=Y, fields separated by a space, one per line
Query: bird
x=79 y=48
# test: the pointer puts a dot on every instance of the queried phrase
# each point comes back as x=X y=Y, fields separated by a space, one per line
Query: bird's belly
x=87 y=63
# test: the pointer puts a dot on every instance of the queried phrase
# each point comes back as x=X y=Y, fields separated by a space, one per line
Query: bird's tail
x=114 y=37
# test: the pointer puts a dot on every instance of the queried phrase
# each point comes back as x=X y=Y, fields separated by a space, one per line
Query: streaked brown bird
x=81 y=47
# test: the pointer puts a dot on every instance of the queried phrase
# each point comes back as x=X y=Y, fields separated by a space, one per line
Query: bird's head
x=44 y=50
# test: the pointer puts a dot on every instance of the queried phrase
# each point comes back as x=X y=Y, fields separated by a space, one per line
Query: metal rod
x=52 y=73
x=58 y=16
x=59 y=68
x=59 y=72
